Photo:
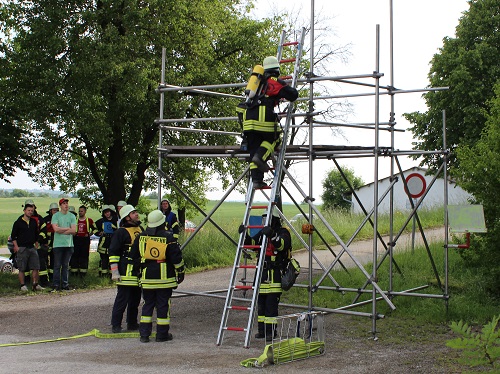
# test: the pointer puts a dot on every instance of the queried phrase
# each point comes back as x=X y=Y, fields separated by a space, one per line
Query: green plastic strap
x=284 y=351
x=96 y=333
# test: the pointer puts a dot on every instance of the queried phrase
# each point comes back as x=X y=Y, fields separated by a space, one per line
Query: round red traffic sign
x=416 y=185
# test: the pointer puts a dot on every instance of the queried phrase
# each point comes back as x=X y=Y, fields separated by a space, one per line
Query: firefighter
x=125 y=271
x=170 y=218
x=105 y=226
x=162 y=270
x=79 y=263
x=41 y=250
x=278 y=253
x=260 y=122
x=48 y=244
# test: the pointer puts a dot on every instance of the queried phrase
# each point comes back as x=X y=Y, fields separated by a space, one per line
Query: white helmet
x=271 y=62
x=155 y=218
x=126 y=210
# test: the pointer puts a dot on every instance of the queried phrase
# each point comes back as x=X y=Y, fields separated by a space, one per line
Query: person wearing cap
x=106 y=227
x=25 y=238
x=278 y=253
x=261 y=123
x=125 y=271
x=162 y=271
x=49 y=240
x=64 y=225
x=79 y=263
x=170 y=218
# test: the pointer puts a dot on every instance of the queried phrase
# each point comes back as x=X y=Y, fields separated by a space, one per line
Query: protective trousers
x=43 y=256
x=158 y=298
x=79 y=263
x=267 y=310
x=260 y=144
x=127 y=297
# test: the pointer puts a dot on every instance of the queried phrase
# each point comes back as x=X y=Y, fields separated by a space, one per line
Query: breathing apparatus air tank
x=254 y=82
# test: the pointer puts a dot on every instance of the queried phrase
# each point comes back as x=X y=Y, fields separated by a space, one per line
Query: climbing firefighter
x=260 y=122
x=105 y=226
x=278 y=253
x=162 y=270
x=125 y=271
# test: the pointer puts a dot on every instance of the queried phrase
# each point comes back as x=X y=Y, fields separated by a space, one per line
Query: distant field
x=228 y=214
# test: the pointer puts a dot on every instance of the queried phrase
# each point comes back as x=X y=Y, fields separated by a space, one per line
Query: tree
x=86 y=74
x=469 y=65
x=479 y=174
x=336 y=189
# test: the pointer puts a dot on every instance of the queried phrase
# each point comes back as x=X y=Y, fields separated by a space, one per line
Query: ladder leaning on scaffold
x=249 y=282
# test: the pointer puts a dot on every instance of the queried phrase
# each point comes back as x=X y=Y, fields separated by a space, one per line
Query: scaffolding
x=311 y=153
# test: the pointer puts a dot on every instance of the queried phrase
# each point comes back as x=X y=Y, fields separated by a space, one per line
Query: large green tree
x=336 y=189
x=469 y=65
x=85 y=74
x=479 y=174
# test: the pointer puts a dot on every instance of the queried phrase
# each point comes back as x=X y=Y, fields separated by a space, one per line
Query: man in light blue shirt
x=64 y=225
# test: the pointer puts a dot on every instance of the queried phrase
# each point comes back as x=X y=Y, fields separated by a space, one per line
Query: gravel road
x=350 y=347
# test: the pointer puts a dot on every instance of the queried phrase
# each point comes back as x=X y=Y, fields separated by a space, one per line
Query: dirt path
x=350 y=347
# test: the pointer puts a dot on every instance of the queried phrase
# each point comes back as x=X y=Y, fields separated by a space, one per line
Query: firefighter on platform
x=105 y=226
x=260 y=122
x=278 y=253
x=162 y=270
x=125 y=271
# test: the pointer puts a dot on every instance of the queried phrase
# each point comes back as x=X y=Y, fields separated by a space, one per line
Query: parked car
x=94 y=242
x=300 y=218
x=189 y=226
x=6 y=265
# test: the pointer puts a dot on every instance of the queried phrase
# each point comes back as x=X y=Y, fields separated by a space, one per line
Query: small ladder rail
x=242 y=249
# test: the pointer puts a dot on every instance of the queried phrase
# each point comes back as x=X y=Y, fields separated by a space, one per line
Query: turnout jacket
x=160 y=257
x=261 y=116
x=278 y=251
x=119 y=252
x=105 y=229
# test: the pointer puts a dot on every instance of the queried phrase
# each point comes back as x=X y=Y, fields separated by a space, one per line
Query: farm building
x=418 y=182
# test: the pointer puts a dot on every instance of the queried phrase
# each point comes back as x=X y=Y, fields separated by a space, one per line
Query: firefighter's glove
x=276 y=241
x=267 y=231
x=241 y=229
x=180 y=275
x=115 y=273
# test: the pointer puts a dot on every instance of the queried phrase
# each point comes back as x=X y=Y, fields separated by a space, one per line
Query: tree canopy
x=84 y=75
x=336 y=189
x=469 y=65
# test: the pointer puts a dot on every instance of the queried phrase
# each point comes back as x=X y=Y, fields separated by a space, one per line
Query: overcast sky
x=419 y=27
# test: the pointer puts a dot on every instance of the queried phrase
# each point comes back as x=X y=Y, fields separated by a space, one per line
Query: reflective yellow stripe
x=146 y=319
x=163 y=321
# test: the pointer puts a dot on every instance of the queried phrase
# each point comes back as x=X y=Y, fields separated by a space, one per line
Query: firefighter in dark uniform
x=278 y=253
x=106 y=226
x=162 y=270
x=170 y=218
x=261 y=123
x=125 y=271
x=53 y=209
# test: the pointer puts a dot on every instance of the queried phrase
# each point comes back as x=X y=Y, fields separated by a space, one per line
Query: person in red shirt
x=79 y=263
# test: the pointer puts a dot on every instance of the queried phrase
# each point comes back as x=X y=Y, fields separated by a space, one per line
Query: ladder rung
x=251 y=246
x=285 y=60
x=248 y=266
x=237 y=307
x=259 y=206
x=255 y=226
x=285 y=77
x=235 y=328
x=243 y=287
x=289 y=43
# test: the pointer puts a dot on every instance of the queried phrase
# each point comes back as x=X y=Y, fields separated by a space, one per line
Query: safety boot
x=261 y=164
x=165 y=339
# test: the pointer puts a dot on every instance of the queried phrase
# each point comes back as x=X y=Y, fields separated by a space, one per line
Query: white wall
x=434 y=197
